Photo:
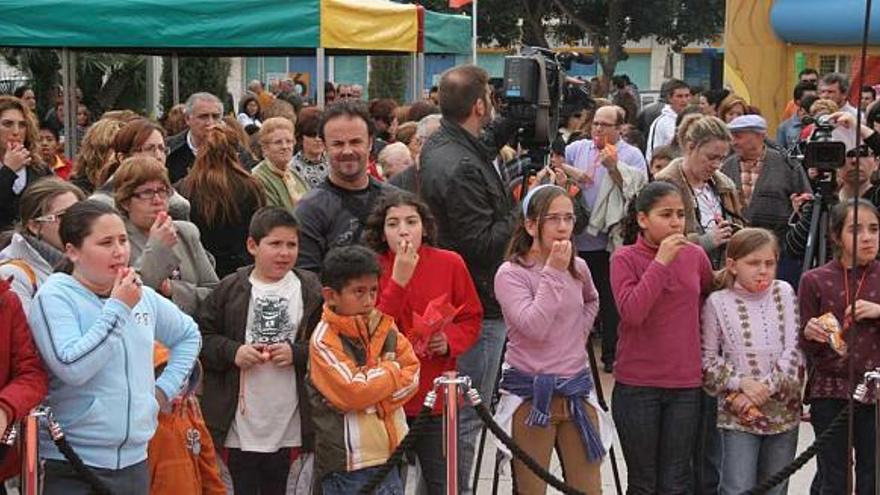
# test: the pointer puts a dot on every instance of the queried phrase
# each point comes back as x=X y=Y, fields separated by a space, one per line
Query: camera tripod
x=816 y=252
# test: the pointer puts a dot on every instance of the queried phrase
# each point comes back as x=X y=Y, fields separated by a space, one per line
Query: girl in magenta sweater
x=549 y=303
x=752 y=363
x=658 y=283
x=414 y=273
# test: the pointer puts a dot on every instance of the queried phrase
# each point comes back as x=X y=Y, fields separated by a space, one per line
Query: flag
x=457 y=4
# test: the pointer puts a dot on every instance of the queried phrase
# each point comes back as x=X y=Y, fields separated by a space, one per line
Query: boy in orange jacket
x=362 y=371
x=181 y=454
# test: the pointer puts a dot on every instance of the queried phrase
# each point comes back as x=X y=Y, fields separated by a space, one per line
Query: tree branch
x=590 y=29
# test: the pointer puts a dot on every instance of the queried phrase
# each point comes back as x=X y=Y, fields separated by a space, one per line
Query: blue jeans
x=62 y=479
x=750 y=459
x=481 y=363
x=657 y=429
x=346 y=483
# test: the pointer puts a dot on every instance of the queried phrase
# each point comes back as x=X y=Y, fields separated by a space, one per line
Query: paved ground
x=799 y=483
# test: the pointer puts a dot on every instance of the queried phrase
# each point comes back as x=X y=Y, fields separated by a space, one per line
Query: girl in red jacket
x=423 y=288
x=23 y=381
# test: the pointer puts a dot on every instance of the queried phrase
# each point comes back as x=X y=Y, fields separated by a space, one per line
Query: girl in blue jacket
x=94 y=324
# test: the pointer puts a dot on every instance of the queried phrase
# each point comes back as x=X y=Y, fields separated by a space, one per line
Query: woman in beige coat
x=167 y=253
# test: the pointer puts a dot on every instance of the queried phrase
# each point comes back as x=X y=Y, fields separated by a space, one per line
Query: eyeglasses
x=148 y=194
x=345 y=95
x=557 y=219
x=156 y=148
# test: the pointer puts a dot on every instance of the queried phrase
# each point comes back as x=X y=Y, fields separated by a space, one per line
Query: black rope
x=397 y=456
x=783 y=474
x=98 y=486
x=486 y=417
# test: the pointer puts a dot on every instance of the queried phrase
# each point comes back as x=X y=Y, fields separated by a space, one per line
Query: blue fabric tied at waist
x=541 y=388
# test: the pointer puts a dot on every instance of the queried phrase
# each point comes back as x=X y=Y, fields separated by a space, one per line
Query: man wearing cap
x=765 y=179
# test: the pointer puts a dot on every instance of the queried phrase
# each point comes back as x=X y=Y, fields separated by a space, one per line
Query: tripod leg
x=600 y=395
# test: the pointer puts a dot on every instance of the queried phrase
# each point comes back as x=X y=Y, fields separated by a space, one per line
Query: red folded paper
x=436 y=316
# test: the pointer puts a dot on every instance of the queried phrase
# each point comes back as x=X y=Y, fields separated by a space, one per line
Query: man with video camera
x=469 y=197
x=851 y=182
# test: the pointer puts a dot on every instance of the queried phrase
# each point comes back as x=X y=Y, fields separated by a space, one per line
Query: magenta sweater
x=659 y=333
x=549 y=314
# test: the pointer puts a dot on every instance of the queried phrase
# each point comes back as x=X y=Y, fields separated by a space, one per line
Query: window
x=834 y=63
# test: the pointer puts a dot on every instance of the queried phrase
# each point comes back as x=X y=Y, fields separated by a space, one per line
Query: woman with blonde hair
x=732 y=107
x=95 y=154
x=283 y=186
x=217 y=177
x=20 y=163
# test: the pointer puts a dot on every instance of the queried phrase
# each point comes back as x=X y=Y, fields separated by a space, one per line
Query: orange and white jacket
x=362 y=370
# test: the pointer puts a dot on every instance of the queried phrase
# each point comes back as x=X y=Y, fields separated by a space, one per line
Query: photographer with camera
x=713 y=211
x=850 y=182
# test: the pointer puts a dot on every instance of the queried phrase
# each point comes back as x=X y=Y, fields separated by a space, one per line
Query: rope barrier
x=783 y=474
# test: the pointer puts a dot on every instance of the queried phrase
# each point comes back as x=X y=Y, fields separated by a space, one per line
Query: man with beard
x=334 y=213
x=468 y=195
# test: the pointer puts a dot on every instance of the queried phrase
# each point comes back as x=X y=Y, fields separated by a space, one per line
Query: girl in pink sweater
x=549 y=303
x=658 y=283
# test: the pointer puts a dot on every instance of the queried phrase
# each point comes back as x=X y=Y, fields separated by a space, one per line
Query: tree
x=607 y=24
x=196 y=74
x=106 y=80
x=388 y=77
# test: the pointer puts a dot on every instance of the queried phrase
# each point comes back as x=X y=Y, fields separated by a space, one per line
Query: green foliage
x=388 y=77
x=197 y=74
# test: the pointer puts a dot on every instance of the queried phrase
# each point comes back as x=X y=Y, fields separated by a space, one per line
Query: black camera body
x=533 y=90
x=821 y=150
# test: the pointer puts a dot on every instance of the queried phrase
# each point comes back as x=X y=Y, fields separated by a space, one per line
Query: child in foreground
x=362 y=371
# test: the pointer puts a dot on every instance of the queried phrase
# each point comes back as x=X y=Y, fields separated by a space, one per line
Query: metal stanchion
x=30 y=453
x=871 y=380
x=451 y=382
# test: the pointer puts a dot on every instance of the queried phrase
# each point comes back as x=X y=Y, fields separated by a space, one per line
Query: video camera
x=535 y=86
x=821 y=150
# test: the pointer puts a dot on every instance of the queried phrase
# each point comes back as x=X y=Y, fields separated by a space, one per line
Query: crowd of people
x=258 y=302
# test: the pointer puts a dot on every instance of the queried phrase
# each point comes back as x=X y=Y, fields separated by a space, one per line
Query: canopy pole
x=322 y=75
x=420 y=77
x=175 y=78
x=68 y=79
x=474 y=34
x=414 y=76
x=154 y=71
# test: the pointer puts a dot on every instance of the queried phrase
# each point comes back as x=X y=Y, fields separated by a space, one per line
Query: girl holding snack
x=826 y=295
x=430 y=294
x=751 y=362
x=658 y=283
x=549 y=304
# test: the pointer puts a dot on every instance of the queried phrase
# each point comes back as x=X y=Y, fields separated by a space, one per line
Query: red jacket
x=438 y=272
x=23 y=380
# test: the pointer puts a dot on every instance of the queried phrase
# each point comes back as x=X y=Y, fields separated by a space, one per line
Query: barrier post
x=451 y=382
x=30 y=453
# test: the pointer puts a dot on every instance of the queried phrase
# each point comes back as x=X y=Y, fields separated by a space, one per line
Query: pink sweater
x=549 y=314
x=659 y=333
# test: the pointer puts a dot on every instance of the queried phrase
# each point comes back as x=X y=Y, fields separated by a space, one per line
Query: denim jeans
x=657 y=429
x=832 y=458
x=481 y=363
x=707 y=449
x=428 y=448
x=750 y=459
x=340 y=483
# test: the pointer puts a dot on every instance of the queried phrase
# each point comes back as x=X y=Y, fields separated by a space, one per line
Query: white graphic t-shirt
x=267 y=416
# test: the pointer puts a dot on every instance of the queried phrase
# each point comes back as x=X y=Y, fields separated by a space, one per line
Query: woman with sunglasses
x=167 y=253
x=34 y=248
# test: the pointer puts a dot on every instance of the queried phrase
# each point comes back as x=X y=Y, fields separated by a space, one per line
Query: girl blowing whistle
x=658 y=283
x=549 y=303
x=751 y=362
